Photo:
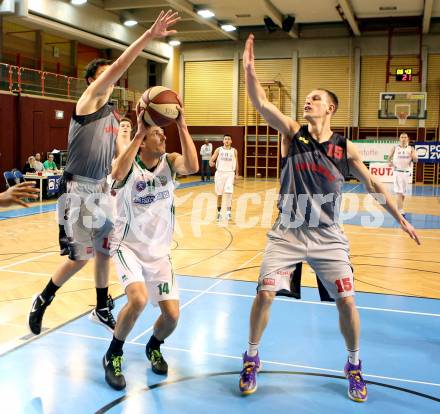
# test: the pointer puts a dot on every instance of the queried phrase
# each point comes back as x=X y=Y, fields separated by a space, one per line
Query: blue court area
x=416 y=190
x=302 y=351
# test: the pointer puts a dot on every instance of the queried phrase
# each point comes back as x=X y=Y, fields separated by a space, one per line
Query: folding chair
x=9 y=179
x=19 y=176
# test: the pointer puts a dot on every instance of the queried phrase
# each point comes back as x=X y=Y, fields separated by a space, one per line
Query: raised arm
x=123 y=163
x=99 y=88
x=273 y=116
x=375 y=188
x=187 y=162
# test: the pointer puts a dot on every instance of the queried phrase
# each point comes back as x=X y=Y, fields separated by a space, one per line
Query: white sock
x=353 y=356
x=252 y=349
x=228 y=200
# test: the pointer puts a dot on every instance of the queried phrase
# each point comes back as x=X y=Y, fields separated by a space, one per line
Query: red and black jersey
x=312 y=177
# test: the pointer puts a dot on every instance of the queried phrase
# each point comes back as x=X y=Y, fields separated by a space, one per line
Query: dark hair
x=92 y=67
x=125 y=119
x=333 y=98
x=227 y=135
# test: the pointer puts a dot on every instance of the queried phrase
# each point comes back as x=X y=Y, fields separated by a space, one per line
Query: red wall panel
x=27 y=126
x=8 y=134
x=39 y=131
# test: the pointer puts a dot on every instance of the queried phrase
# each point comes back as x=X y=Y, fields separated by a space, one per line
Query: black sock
x=115 y=348
x=154 y=343
x=101 y=297
x=49 y=291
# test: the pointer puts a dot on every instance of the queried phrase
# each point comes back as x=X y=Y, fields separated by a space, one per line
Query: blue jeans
x=206 y=170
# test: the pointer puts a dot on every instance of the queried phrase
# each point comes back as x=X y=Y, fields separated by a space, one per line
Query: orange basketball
x=160 y=105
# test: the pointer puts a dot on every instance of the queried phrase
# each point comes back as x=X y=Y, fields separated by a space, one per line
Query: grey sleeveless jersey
x=92 y=143
x=312 y=177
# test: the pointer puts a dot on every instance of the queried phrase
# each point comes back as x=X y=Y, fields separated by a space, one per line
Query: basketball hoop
x=402 y=117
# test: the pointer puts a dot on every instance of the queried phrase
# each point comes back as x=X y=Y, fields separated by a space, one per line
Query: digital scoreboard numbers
x=404 y=74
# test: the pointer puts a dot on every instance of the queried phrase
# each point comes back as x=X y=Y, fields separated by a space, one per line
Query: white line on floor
x=284 y=364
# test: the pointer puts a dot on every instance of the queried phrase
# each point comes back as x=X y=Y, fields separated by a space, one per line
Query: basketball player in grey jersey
x=314 y=160
x=92 y=135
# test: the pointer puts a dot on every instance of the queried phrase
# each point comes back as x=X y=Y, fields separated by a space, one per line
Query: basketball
x=160 y=105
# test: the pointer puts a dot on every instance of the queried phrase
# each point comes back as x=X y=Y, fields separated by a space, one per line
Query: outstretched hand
x=163 y=22
x=248 y=54
x=408 y=228
x=14 y=195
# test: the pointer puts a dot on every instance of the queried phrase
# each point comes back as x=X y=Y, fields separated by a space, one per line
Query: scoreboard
x=404 y=74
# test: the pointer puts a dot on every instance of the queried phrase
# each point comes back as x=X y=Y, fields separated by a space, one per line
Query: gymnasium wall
x=327 y=63
x=8 y=134
x=333 y=73
x=373 y=81
x=433 y=89
x=28 y=125
x=279 y=70
x=208 y=92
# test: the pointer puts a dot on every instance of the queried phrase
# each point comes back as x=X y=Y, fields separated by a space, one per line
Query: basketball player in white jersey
x=226 y=163
x=141 y=240
x=401 y=158
x=91 y=148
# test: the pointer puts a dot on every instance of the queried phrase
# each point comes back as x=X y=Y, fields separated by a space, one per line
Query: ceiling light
x=228 y=27
x=78 y=2
x=205 y=13
x=174 y=43
x=130 y=22
x=128 y=19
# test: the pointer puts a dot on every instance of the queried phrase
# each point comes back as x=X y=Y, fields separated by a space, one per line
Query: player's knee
x=137 y=302
x=346 y=304
x=265 y=298
x=172 y=315
x=77 y=264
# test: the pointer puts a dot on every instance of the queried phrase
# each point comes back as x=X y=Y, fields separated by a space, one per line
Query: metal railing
x=22 y=80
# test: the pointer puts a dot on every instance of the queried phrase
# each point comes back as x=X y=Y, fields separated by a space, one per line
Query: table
x=52 y=184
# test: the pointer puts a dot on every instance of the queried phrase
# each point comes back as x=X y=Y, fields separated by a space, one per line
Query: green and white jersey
x=144 y=220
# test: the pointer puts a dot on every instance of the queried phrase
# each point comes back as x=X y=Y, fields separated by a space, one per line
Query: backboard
x=398 y=105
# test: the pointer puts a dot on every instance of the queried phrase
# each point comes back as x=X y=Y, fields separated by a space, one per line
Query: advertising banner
x=428 y=152
x=384 y=172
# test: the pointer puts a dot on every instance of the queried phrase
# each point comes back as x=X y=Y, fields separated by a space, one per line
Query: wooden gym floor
x=385 y=259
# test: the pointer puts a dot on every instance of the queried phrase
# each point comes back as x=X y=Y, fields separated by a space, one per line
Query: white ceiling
x=250 y=13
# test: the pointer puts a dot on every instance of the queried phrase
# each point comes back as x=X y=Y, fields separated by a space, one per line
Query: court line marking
x=278 y=299
x=301 y=301
x=45 y=274
x=26 y=260
x=433 y=384
x=202 y=293
x=402 y=235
